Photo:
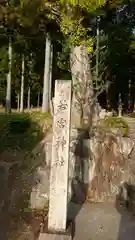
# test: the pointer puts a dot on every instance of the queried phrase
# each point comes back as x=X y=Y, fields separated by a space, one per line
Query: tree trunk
x=28 y=99
x=45 y=101
x=18 y=101
x=107 y=81
x=82 y=100
x=107 y=97
x=22 y=87
x=50 y=80
x=38 y=100
x=8 y=92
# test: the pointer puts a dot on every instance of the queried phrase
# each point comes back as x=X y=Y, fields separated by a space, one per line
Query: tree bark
x=38 y=99
x=18 y=102
x=82 y=84
x=8 y=92
x=22 y=87
x=50 y=80
x=45 y=101
x=28 y=99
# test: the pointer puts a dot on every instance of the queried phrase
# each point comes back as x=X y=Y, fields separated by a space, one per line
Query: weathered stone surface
x=81 y=78
x=39 y=195
x=78 y=165
x=109 y=114
x=49 y=236
x=120 y=112
x=126 y=146
x=57 y=216
x=102 y=114
x=100 y=150
x=99 y=113
x=82 y=166
x=95 y=114
x=108 y=158
x=40 y=177
x=117 y=131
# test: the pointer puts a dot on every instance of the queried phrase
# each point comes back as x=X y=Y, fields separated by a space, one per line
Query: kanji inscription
x=61 y=123
x=60 y=142
x=61 y=161
x=62 y=105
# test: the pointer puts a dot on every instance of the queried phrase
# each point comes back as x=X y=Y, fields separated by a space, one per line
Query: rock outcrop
x=96 y=167
x=108 y=156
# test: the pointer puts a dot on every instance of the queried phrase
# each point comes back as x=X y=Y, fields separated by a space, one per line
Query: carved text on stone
x=60 y=142
x=61 y=123
x=62 y=105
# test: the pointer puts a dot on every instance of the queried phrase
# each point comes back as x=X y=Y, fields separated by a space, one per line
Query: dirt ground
x=17 y=221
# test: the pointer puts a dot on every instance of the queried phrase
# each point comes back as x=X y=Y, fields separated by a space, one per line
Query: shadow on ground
x=125 y=205
x=19 y=134
x=80 y=180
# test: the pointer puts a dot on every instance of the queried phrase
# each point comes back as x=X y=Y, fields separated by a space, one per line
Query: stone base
x=54 y=236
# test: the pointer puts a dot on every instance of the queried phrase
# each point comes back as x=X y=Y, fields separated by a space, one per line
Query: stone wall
x=96 y=167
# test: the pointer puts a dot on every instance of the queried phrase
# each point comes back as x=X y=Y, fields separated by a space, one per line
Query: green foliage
x=77 y=33
x=116 y=123
x=131 y=115
x=118 y=52
x=28 y=20
x=32 y=78
x=73 y=20
x=28 y=134
x=132 y=45
x=89 y=42
x=73 y=28
x=19 y=46
x=63 y=55
x=88 y=5
x=3 y=60
x=20 y=125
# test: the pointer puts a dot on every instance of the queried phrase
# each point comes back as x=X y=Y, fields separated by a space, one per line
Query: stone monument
x=57 y=216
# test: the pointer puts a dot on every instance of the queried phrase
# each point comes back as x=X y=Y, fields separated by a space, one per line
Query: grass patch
x=116 y=123
x=21 y=130
x=131 y=115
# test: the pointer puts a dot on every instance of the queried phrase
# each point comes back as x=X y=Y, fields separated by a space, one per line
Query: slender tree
x=28 y=99
x=22 y=87
x=51 y=69
x=8 y=92
x=46 y=83
x=18 y=101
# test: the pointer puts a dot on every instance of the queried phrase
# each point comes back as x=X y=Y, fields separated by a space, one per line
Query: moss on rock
x=116 y=123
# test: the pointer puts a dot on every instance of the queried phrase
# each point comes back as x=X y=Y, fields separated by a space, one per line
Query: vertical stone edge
x=67 y=149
